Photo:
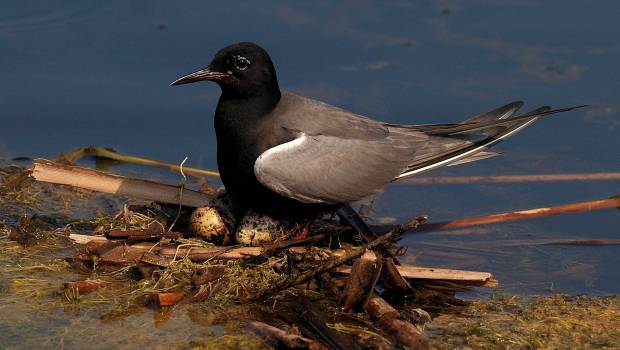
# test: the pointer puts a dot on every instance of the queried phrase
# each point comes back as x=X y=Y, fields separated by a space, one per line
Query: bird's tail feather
x=473 y=158
x=473 y=126
x=502 y=112
x=497 y=125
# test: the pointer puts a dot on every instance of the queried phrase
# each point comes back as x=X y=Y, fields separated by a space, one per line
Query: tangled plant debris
x=98 y=256
x=131 y=260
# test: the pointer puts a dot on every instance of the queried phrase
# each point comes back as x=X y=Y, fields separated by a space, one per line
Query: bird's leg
x=346 y=213
x=392 y=278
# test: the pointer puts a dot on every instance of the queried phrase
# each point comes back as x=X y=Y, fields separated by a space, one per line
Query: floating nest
x=43 y=272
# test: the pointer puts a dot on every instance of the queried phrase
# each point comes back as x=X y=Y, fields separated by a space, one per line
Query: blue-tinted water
x=77 y=73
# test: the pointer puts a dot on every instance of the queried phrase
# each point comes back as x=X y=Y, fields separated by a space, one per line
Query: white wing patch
x=276 y=154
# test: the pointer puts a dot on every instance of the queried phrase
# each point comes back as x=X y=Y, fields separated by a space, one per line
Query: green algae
x=544 y=322
x=229 y=342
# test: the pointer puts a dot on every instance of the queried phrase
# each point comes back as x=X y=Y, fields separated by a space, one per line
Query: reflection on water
x=77 y=73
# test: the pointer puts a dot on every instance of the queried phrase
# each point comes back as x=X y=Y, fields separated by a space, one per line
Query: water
x=77 y=73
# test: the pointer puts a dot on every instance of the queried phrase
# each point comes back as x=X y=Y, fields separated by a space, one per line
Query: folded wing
x=330 y=170
x=341 y=157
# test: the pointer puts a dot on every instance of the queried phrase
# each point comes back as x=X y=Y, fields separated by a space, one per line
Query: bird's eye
x=240 y=62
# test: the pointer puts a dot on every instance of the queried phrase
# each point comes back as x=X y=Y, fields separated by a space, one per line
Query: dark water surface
x=77 y=73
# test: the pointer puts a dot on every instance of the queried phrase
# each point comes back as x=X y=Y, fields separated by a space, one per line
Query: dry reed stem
x=75 y=176
x=578 y=207
x=109 y=154
x=453 y=180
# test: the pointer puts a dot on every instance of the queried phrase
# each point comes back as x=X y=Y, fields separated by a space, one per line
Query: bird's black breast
x=241 y=138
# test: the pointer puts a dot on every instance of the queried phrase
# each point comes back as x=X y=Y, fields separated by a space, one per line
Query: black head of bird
x=243 y=69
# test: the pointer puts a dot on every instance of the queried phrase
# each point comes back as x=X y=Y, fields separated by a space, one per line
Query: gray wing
x=330 y=170
x=337 y=157
x=301 y=114
x=341 y=157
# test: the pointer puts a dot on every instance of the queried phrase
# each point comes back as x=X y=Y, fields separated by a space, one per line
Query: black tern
x=283 y=154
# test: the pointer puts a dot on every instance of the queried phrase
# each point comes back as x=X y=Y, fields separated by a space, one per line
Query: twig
x=195 y=254
x=473 y=278
x=363 y=278
x=330 y=265
x=109 y=154
x=578 y=207
x=452 y=180
x=181 y=188
x=142 y=235
x=389 y=319
x=293 y=242
x=52 y=172
x=280 y=339
x=524 y=242
x=86 y=286
x=586 y=242
x=83 y=239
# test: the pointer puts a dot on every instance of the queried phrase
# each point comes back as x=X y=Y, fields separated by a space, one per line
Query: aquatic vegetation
x=37 y=262
x=21 y=196
x=229 y=342
x=550 y=322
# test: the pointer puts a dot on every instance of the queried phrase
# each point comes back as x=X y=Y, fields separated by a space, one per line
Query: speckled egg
x=255 y=229
x=215 y=223
x=207 y=223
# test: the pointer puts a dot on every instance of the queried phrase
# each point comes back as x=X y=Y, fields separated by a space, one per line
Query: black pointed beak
x=204 y=74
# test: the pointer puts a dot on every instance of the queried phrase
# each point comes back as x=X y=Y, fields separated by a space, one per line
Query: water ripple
x=47 y=13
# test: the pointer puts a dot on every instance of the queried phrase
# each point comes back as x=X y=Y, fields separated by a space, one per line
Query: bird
x=283 y=154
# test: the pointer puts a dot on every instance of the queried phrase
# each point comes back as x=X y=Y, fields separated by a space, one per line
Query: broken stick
x=485 y=245
x=454 y=180
x=363 y=278
x=389 y=319
x=47 y=171
x=86 y=286
x=118 y=252
x=143 y=235
x=101 y=152
x=579 y=207
x=280 y=339
x=473 y=278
